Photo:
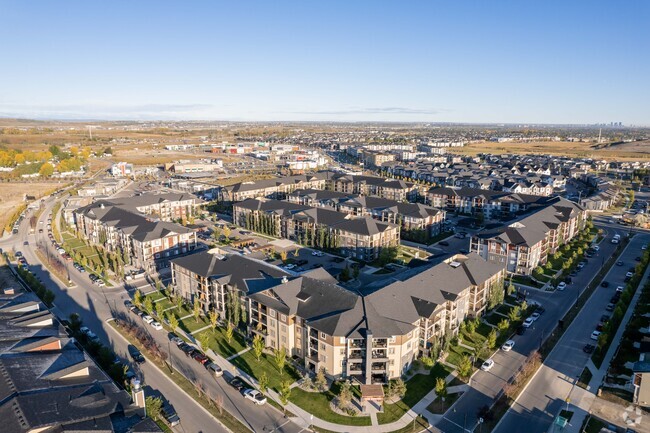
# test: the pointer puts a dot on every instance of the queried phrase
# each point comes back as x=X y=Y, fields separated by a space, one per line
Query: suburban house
x=370 y=338
x=361 y=237
x=148 y=244
x=410 y=216
x=526 y=243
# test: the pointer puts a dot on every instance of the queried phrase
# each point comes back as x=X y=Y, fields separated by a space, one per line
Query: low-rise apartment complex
x=369 y=338
x=410 y=216
x=358 y=237
x=526 y=243
x=147 y=243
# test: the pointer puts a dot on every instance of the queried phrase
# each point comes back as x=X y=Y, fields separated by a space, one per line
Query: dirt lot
x=12 y=194
x=628 y=151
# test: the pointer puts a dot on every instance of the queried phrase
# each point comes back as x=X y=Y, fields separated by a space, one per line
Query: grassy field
x=13 y=193
x=252 y=366
x=628 y=151
x=318 y=403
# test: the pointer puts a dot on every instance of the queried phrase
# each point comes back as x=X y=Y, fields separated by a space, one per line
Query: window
x=283 y=318
x=272 y=333
x=392 y=339
x=391 y=351
x=322 y=335
x=408 y=345
x=284 y=339
x=342 y=352
x=322 y=346
x=342 y=340
x=272 y=313
x=283 y=328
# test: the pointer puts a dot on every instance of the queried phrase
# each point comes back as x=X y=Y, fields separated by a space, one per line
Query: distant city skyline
x=463 y=62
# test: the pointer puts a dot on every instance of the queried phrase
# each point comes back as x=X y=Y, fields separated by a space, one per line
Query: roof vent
x=101 y=205
x=454 y=264
x=285 y=280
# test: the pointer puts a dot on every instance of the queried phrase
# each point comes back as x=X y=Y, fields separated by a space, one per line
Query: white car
x=487 y=365
x=529 y=321
x=561 y=286
x=508 y=345
x=596 y=248
x=644 y=247
x=255 y=396
x=157 y=326
x=595 y=335
x=535 y=316
x=290 y=266
x=147 y=318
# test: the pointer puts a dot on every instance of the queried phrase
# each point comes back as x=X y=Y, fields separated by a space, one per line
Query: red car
x=200 y=357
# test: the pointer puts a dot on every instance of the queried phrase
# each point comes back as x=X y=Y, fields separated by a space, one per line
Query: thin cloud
x=92 y=111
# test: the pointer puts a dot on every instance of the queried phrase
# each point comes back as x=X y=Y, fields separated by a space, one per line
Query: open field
x=627 y=151
x=12 y=194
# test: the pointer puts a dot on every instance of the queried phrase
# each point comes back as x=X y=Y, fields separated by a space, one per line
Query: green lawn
x=190 y=325
x=155 y=296
x=494 y=319
x=456 y=353
x=439 y=407
x=479 y=336
x=252 y=366
x=416 y=388
x=318 y=404
x=504 y=309
x=220 y=345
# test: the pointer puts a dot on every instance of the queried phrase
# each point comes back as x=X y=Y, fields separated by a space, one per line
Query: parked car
x=527 y=323
x=237 y=383
x=170 y=415
x=610 y=307
x=157 y=326
x=443 y=243
x=214 y=369
x=136 y=355
x=561 y=286
x=604 y=284
x=487 y=365
x=521 y=330
x=147 y=319
x=535 y=315
x=255 y=396
x=594 y=335
x=200 y=357
x=88 y=333
x=508 y=345
x=619 y=263
x=589 y=348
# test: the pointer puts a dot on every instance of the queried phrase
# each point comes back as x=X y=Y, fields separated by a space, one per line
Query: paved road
x=485 y=386
x=537 y=407
x=95 y=305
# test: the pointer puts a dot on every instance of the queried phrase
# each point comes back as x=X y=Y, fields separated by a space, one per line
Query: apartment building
x=149 y=244
x=361 y=237
x=410 y=216
x=276 y=188
x=166 y=207
x=524 y=244
x=492 y=204
x=391 y=189
x=370 y=338
x=49 y=384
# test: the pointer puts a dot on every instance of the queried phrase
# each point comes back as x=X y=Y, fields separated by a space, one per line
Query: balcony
x=356 y=344
x=357 y=354
x=355 y=368
x=378 y=344
x=380 y=355
x=313 y=333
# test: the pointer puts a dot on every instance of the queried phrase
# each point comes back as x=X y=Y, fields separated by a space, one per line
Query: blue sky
x=455 y=61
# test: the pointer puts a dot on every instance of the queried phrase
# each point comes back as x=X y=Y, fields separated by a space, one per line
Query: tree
x=511 y=288
x=214 y=318
x=441 y=389
x=74 y=322
x=470 y=326
x=514 y=313
x=285 y=392
x=173 y=321
x=345 y=273
x=387 y=255
x=321 y=380
x=46 y=170
x=258 y=346
x=503 y=325
x=283 y=256
x=229 y=332
x=492 y=339
x=399 y=388
x=465 y=366
x=204 y=341
x=496 y=294
x=160 y=310
x=345 y=395
x=263 y=382
x=196 y=309
x=148 y=304
x=524 y=306
x=280 y=358
x=154 y=407
x=137 y=298
x=179 y=302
